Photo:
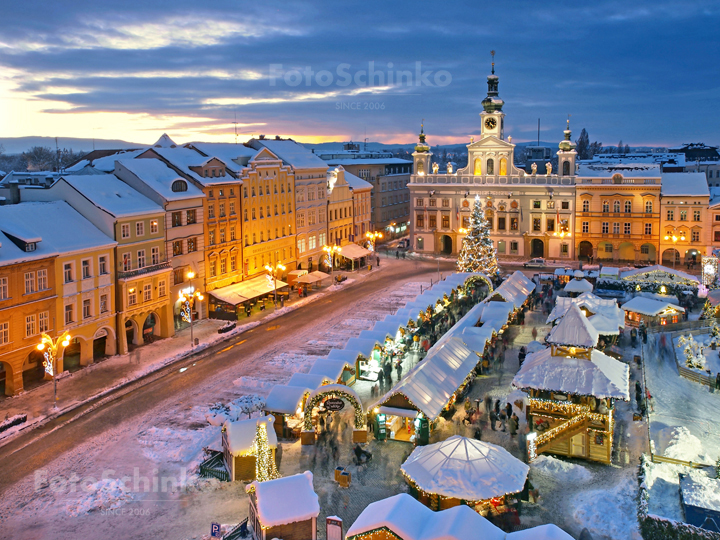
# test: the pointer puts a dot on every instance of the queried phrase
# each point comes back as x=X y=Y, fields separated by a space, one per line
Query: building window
x=179 y=185
x=85 y=269
x=4 y=333
x=605 y=227
x=177 y=248
x=628 y=207
x=419 y=222
x=233 y=263
x=222 y=236
x=500 y=223
x=301 y=245
x=211 y=237
x=103 y=303
x=132 y=296
x=301 y=219
x=155 y=255
x=147 y=292
x=191 y=216
x=536 y=224
x=445 y=221
x=213 y=268
x=432 y=202
x=606 y=207
x=648 y=207
x=140 y=228
x=127 y=262
x=30 y=327
x=69 y=315
x=696 y=215
x=141 y=258
x=153 y=226
x=645 y=249
x=616 y=228
x=4 y=292
x=550 y=204
x=683 y=215
x=178 y=276
x=616 y=207
x=608 y=248
x=86 y=309
x=176 y=219
x=125 y=230
x=232 y=208
x=648 y=227
x=419 y=202
x=102 y=265
x=585 y=227
x=550 y=224
x=537 y=204
x=162 y=290
x=564 y=247
x=670 y=215
x=695 y=236
x=29 y=282
x=513 y=247
x=44 y=321
x=211 y=211
x=68 y=272
x=627 y=227
x=586 y=206
x=432 y=222
x=446 y=203
x=513 y=226
x=223 y=265
x=221 y=209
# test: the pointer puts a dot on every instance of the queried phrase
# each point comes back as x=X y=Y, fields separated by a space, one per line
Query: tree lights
x=478 y=253
x=265 y=468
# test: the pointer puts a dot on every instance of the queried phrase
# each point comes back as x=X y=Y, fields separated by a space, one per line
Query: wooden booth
x=652 y=312
x=238 y=444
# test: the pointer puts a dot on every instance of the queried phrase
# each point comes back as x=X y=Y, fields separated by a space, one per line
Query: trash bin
x=197 y=342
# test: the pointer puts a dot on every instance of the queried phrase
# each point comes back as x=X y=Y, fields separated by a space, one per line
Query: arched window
x=648 y=207
x=606 y=206
x=503 y=167
x=616 y=207
x=628 y=207
x=179 y=185
x=490 y=166
x=420 y=168
x=586 y=206
x=477 y=167
x=566 y=168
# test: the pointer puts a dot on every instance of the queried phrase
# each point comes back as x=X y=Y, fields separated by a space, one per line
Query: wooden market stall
x=285 y=403
x=652 y=312
x=578 y=285
x=284 y=508
x=573 y=388
x=238 y=444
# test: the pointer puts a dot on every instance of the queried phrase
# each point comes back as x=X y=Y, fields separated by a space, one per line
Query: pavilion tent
x=332 y=369
x=574 y=330
x=390 y=328
x=320 y=275
x=307 y=380
x=349 y=356
x=496 y=310
x=378 y=335
x=477 y=338
x=354 y=252
x=365 y=346
x=578 y=286
x=630 y=274
x=247 y=290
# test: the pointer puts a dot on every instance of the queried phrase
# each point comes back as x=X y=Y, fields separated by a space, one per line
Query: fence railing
x=662 y=459
x=690 y=374
x=214 y=467
x=685 y=325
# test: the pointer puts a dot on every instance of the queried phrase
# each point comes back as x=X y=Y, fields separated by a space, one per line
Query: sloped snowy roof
x=574 y=330
x=476 y=338
x=308 y=380
x=159 y=177
x=355 y=182
x=549 y=531
x=378 y=161
x=285 y=399
x=164 y=142
x=241 y=434
x=108 y=192
x=294 y=154
x=345 y=355
x=634 y=274
x=365 y=346
x=609 y=271
x=594 y=304
x=105 y=163
x=689 y=184
x=578 y=286
x=628 y=170
x=496 y=310
x=464 y=468
x=514 y=289
x=332 y=369
x=648 y=306
x=602 y=376
x=234 y=156
x=286 y=500
x=605 y=326
x=184 y=158
x=701 y=492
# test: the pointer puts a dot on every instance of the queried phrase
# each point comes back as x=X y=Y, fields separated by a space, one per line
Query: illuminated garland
x=265 y=468
x=312 y=403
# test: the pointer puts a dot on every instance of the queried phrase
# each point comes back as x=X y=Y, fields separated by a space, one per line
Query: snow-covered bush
x=694 y=352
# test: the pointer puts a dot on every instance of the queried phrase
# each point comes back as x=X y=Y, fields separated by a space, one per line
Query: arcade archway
x=333 y=391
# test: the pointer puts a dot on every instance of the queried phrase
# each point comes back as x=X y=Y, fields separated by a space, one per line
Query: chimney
x=262 y=137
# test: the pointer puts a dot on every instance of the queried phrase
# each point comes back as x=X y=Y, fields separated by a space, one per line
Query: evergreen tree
x=265 y=468
x=595 y=148
x=627 y=149
x=620 y=147
x=478 y=253
x=583 y=145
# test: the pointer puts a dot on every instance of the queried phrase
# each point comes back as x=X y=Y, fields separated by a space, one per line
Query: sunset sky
x=644 y=72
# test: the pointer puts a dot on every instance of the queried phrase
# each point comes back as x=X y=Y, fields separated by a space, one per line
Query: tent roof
x=634 y=274
x=332 y=369
x=464 y=468
x=496 y=310
x=309 y=380
x=345 y=355
x=648 y=306
x=578 y=286
x=241 y=434
x=574 y=330
x=353 y=251
x=285 y=399
x=246 y=290
x=286 y=500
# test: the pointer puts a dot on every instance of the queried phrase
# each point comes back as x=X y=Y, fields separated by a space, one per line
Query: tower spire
x=492 y=53
x=422 y=146
x=492 y=103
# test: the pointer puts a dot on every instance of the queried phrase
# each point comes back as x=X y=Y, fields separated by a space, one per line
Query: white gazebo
x=578 y=285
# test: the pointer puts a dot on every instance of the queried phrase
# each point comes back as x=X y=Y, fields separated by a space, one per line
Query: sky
x=642 y=72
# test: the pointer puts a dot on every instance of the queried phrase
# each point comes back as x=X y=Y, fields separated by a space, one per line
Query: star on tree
x=478 y=252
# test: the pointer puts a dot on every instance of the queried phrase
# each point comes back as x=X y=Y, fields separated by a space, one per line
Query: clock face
x=490 y=123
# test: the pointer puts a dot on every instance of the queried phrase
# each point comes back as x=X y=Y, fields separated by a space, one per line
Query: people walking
x=503 y=420
x=493 y=419
x=717 y=381
x=497 y=406
x=398 y=370
x=488 y=402
x=513 y=425
x=534 y=333
x=508 y=410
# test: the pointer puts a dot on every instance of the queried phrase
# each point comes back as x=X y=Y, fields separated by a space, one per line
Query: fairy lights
x=265 y=468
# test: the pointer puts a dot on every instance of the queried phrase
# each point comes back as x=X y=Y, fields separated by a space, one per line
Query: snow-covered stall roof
x=353 y=251
x=594 y=304
x=609 y=271
x=578 y=286
x=308 y=380
x=602 y=376
x=464 y=468
x=286 y=500
x=476 y=338
x=605 y=326
x=563 y=272
x=632 y=275
x=496 y=311
x=365 y=346
x=574 y=330
x=549 y=531
x=345 y=355
x=378 y=335
x=649 y=307
x=700 y=492
x=241 y=434
x=389 y=328
x=285 y=399
x=514 y=289
x=534 y=346
x=332 y=369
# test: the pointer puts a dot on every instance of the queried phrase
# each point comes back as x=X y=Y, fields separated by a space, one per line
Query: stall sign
x=334 y=404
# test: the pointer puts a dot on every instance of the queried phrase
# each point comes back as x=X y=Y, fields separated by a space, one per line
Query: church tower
x=567 y=154
x=422 y=155
x=492 y=117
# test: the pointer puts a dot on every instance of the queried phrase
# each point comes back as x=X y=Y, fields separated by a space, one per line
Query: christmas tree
x=478 y=253
x=265 y=468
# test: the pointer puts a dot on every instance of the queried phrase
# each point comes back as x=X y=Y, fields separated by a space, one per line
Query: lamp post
x=332 y=250
x=674 y=239
x=273 y=272
x=51 y=349
x=372 y=237
x=188 y=300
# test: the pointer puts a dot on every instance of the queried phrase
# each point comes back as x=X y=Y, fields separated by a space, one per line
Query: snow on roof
x=476 y=338
x=690 y=184
x=355 y=182
x=649 y=307
x=294 y=154
x=56 y=240
x=628 y=170
x=184 y=158
x=514 y=289
x=389 y=328
x=345 y=355
x=165 y=142
x=604 y=325
x=593 y=304
x=630 y=274
x=241 y=434
x=464 y=468
x=602 y=376
x=377 y=161
x=286 y=500
x=574 y=329
x=578 y=286
x=111 y=194
x=307 y=380
x=332 y=369
x=609 y=271
x=549 y=531
x=235 y=156
x=496 y=310
x=365 y=346
x=105 y=163
x=159 y=177
x=700 y=492
x=285 y=399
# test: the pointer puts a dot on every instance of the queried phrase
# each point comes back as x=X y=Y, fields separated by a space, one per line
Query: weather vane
x=493 y=61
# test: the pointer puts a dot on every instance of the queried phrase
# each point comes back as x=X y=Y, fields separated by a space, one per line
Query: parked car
x=538 y=262
x=404 y=243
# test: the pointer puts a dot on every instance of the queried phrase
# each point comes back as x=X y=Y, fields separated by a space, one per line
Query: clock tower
x=492 y=117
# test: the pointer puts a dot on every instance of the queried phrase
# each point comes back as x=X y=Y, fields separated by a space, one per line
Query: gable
x=490 y=142
x=265 y=155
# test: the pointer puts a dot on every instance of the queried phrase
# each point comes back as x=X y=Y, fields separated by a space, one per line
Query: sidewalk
x=111 y=373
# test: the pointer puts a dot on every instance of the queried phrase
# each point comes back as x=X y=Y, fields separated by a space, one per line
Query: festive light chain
x=265 y=468
x=554 y=432
x=310 y=405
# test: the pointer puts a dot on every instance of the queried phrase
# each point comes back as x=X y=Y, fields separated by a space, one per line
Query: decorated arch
x=482 y=277
x=334 y=390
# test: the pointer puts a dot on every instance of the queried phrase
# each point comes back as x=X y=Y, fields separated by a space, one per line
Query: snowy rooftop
x=496 y=310
x=332 y=369
x=286 y=500
x=701 y=492
x=514 y=289
x=355 y=182
x=235 y=156
x=308 y=380
x=574 y=329
x=241 y=434
x=111 y=194
x=602 y=376
x=159 y=177
x=184 y=158
x=637 y=273
x=649 y=307
x=468 y=469
x=106 y=163
x=285 y=399
x=593 y=304
x=379 y=161
x=293 y=154
x=578 y=286
x=628 y=170
x=690 y=184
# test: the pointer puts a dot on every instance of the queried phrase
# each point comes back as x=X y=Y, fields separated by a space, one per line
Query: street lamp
x=51 y=349
x=273 y=272
x=372 y=236
x=188 y=299
x=331 y=251
x=674 y=239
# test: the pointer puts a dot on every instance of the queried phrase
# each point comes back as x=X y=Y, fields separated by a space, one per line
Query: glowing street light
x=188 y=297
x=331 y=251
x=274 y=272
x=51 y=349
x=674 y=239
x=372 y=237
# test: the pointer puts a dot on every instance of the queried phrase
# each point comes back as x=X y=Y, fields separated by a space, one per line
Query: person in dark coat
x=493 y=419
x=513 y=425
x=497 y=407
x=387 y=368
x=398 y=370
x=488 y=402
x=717 y=381
x=508 y=410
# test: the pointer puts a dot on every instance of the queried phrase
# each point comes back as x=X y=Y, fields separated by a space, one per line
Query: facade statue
x=435 y=168
x=449 y=168
x=534 y=168
x=548 y=168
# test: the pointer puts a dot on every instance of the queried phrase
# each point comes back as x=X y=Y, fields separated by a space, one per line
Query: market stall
x=285 y=403
x=309 y=380
x=355 y=256
x=652 y=312
x=367 y=364
x=234 y=300
x=240 y=449
x=563 y=275
x=578 y=285
x=338 y=371
x=604 y=314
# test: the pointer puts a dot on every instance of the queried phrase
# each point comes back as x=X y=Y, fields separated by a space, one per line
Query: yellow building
x=340 y=207
x=685 y=225
x=618 y=213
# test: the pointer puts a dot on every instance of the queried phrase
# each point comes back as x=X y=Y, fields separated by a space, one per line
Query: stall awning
x=346 y=355
x=246 y=290
x=307 y=278
x=285 y=399
x=397 y=411
x=308 y=380
x=332 y=369
x=320 y=275
x=353 y=251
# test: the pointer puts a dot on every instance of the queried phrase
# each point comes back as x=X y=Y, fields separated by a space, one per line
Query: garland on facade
x=347 y=396
x=478 y=253
x=658 y=286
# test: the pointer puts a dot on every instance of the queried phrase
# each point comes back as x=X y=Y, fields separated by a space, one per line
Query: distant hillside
x=17 y=145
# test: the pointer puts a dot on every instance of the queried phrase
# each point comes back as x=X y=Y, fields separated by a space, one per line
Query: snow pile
x=163 y=445
x=254 y=383
x=711 y=360
x=609 y=512
x=240 y=408
x=679 y=443
x=693 y=351
x=102 y=495
x=563 y=472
